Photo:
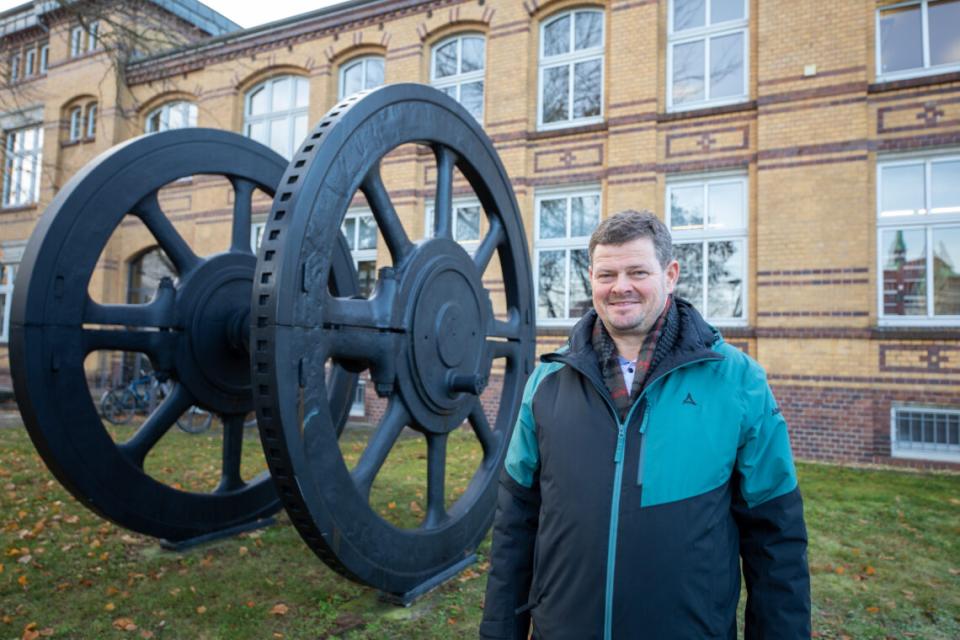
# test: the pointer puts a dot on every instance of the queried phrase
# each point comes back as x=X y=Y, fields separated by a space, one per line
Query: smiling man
x=649 y=458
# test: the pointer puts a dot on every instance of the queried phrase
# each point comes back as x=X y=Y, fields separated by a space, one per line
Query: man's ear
x=672 y=275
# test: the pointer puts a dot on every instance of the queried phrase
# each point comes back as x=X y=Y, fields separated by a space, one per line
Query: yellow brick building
x=805 y=154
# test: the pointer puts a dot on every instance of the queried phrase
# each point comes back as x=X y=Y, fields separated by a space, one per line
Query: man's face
x=629 y=285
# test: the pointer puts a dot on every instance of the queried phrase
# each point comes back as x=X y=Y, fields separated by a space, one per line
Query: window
x=93 y=36
x=276 y=113
x=7 y=274
x=76 y=41
x=172 y=115
x=21 y=166
x=466 y=222
x=571 y=69
x=564 y=222
x=707 y=218
x=92 y=120
x=925 y=433
x=706 y=53
x=44 y=58
x=917 y=38
x=28 y=67
x=76 y=124
x=256 y=235
x=360 y=74
x=456 y=68
x=358 y=407
x=918 y=236
x=15 y=67
x=360 y=230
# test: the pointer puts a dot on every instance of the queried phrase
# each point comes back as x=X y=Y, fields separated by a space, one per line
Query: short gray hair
x=628 y=225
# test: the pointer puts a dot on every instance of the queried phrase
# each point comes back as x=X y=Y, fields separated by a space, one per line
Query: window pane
x=900 y=39
x=580 y=299
x=901 y=190
x=299 y=129
x=374 y=73
x=904 y=272
x=471 y=97
x=281 y=94
x=349 y=229
x=353 y=79
x=367 y=275
x=258 y=131
x=726 y=66
x=467 y=224
x=191 y=115
x=686 y=207
x=944 y=26
x=280 y=137
x=690 y=285
x=367 y=233
x=946 y=272
x=584 y=215
x=726 y=206
x=556 y=84
x=153 y=122
x=258 y=101
x=556 y=37
x=303 y=92
x=445 y=60
x=689 y=14
x=553 y=218
x=945 y=187
x=725 y=279
x=176 y=117
x=550 y=274
x=588 y=30
x=586 y=88
x=688 y=62
x=723 y=10
x=472 y=55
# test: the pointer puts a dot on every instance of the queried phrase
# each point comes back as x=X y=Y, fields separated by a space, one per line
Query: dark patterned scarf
x=649 y=355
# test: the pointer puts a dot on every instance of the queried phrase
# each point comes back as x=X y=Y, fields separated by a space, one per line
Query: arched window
x=457 y=69
x=276 y=113
x=172 y=115
x=92 y=120
x=76 y=123
x=361 y=73
x=571 y=69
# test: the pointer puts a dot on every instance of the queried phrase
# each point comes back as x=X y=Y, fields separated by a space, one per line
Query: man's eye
x=638 y=274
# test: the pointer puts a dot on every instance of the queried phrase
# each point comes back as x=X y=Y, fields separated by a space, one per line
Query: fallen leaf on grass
x=22 y=581
x=414 y=507
x=30 y=632
x=243 y=551
x=109 y=606
x=124 y=624
x=279 y=609
x=870 y=570
x=873 y=609
x=146 y=634
x=839 y=571
x=201 y=609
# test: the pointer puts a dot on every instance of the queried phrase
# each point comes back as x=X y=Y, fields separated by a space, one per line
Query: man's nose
x=622 y=283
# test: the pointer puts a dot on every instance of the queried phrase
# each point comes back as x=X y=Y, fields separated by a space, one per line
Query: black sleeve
x=505 y=612
x=773 y=545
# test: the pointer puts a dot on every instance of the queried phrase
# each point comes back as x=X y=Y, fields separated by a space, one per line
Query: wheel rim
x=51 y=332
x=434 y=288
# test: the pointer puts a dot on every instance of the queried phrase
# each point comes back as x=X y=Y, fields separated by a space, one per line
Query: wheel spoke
x=503 y=349
x=443 y=203
x=159 y=312
x=507 y=329
x=161 y=346
x=378 y=448
x=489 y=245
x=436 y=479
x=481 y=428
x=242 y=217
x=230 y=479
x=170 y=240
x=156 y=425
x=386 y=215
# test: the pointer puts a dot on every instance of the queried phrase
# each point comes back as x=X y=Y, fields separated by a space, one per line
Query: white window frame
x=570 y=59
x=944 y=453
x=44 y=59
x=349 y=64
x=925 y=221
x=361 y=255
x=76 y=41
x=188 y=112
x=707 y=235
x=926 y=69
x=567 y=243
x=706 y=33
x=76 y=124
x=8 y=272
x=14 y=68
x=93 y=36
x=460 y=78
x=358 y=406
x=30 y=63
x=458 y=203
x=91 y=120
x=20 y=165
x=256 y=235
x=290 y=115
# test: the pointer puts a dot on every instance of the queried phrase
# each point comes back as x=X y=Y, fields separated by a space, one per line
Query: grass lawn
x=884 y=554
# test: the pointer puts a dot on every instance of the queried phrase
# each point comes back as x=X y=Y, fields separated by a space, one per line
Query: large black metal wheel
x=195 y=330
x=428 y=335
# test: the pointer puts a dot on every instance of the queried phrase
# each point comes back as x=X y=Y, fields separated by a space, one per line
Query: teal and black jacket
x=635 y=529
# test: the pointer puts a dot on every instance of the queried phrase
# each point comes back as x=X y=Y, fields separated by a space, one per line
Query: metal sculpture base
x=190 y=543
x=406 y=599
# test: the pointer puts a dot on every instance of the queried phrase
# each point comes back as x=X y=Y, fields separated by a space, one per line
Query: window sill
x=882 y=85
x=700 y=112
x=915 y=454
x=18 y=208
x=570 y=130
x=915 y=332
x=77 y=142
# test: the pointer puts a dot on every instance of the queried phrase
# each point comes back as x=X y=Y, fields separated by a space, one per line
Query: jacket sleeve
x=769 y=513
x=506 y=610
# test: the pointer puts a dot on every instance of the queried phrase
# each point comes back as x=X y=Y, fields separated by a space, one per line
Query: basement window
x=925 y=433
